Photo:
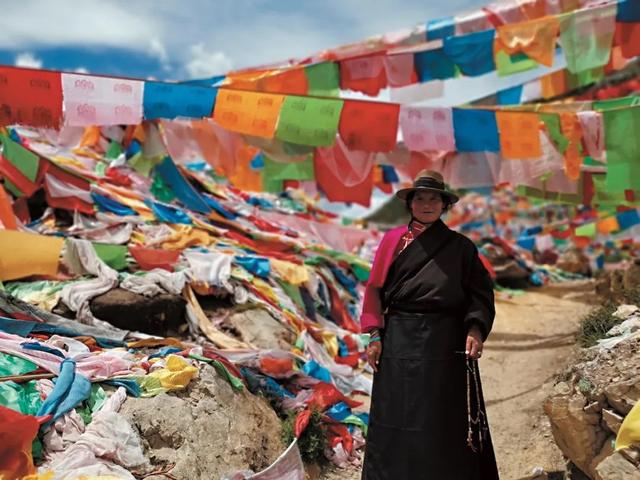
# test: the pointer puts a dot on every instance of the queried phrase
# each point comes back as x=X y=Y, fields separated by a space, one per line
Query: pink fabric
x=90 y=100
x=400 y=69
x=593 y=134
x=372 y=308
x=427 y=128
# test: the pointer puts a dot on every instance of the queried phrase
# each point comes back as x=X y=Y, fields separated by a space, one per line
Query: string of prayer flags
x=30 y=97
x=251 y=113
x=171 y=100
x=368 y=126
x=309 y=121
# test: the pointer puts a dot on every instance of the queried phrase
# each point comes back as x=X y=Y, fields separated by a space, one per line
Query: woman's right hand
x=373 y=355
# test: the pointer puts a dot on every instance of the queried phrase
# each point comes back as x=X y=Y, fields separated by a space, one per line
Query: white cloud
x=202 y=63
x=159 y=51
x=81 y=70
x=27 y=59
x=75 y=22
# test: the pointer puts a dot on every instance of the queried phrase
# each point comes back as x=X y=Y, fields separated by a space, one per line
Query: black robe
x=434 y=291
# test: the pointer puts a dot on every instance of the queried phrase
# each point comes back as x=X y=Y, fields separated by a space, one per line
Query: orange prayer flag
x=571 y=129
x=533 y=8
x=519 y=135
x=553 y=84
x=90 y=137
x=291 y=82
x=245 y=80
x=25 y=254
x=7 y=217
x=608 y=225
x=244 y=177
x=251 y=113
x=536 y=38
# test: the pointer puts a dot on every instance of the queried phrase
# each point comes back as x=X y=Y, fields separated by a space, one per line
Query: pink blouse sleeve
x=372 y=308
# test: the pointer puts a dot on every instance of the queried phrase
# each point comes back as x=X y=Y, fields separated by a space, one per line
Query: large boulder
x=617 y=467
x=576 y=431
x=207 y=430
x=161 y=315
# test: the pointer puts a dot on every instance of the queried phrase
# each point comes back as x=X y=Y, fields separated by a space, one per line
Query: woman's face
x=427 y=207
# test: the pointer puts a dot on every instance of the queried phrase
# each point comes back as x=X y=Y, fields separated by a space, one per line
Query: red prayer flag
x=30 y=97
x=628 y=37
x=150 y=258
x=368 y=126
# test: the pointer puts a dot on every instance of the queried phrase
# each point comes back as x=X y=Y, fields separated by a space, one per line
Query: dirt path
x=532 y=339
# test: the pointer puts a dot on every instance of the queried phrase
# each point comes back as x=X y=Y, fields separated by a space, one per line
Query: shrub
x=596 y=324
x=312 y=441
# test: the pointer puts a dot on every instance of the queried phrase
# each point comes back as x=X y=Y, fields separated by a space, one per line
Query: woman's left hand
x=474 y=343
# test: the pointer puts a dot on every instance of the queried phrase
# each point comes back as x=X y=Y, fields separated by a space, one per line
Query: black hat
x=428 y=180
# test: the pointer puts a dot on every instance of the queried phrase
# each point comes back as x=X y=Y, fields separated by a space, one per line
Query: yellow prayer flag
x=25 y=254
x=251 y=113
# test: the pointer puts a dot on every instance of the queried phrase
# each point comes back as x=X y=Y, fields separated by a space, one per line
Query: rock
x=607 y=450
x=160 y=315
x=208 y=430
x=625 y=311
x=616 y=467
x=577 y=433
x=622 y=396
x=612 y=420
x=631 y=277
x=258 y=328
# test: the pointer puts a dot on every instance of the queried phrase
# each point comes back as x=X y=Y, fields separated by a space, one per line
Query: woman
x=429 y=307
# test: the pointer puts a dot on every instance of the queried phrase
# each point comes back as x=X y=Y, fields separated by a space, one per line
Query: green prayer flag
x=323 y=79
x=361 y=273
x=552 y=122
x=21 y=397
x=161 y=190
x=584 y=45
x=293 y=291
x=613 y=103
x=12 y=188
x=101 y=169
x=622 y=144
x=114 y=150
x=113 y=255
x=510 y=64
x=12 y=365
x=309 y=121
x=275 y=173
x=586 y=230
x=24 y=160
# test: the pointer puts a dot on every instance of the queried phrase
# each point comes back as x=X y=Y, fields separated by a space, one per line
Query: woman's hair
x=445 y=200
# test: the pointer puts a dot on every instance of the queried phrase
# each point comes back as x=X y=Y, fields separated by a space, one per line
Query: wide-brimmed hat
x=430 y=181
